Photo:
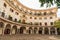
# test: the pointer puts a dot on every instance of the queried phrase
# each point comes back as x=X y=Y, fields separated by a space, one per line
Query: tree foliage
x=57 y=24
x=49 y=2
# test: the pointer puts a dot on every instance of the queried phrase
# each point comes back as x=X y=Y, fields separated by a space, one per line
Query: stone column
x=56 y=31
x=43 y=31
x=3 y=29
x=37 y=31
x=24 y=32
x=18 y=31
x=11 y=29
x=49 y=31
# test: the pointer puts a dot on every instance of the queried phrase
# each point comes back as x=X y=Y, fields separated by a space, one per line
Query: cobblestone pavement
x=29 y=37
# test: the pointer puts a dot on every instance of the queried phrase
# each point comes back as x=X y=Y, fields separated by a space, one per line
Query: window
x=39 y=14
x=5 y=5
x=35 y=18
x=51 y=23
x=11 y=10
x=30 y=17
x=45 y=23
x=31 y=23
x=50 y=17
x=10 y=18
x=45 y=17
x=40 y=23
x=40 y=18
x=36 y=23
x=3 y=14
x=30 y=13
x=25 y=11
x=17 y=13
x=15 y=20
x=23 y=15
x=44 y=13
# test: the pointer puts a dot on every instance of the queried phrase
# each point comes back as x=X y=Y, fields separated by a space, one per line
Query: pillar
x=56 y=31
x=11 y=29
x=24 y=31
x=3 y=29
x=49 y=31
x=43 y=31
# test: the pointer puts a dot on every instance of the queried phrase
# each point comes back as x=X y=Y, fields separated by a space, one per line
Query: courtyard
x=29 y=37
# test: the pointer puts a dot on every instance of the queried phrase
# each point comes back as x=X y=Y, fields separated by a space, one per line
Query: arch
x=14 y=29
x=52 y=30
x=8 y=26
x=30 y=30
x=40 y=30
x=58 y=31
x=46 y=30
x=7 y=29
x=35 y=30
x=22 y=29
x=1 y=24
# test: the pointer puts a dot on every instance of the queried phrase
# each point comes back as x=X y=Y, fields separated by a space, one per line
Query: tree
x=57 y=24
x=49 y=2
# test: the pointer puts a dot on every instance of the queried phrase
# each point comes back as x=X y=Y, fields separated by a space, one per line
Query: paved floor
x=29 y=37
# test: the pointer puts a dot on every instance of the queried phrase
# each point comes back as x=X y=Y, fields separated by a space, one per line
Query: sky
x=34 y=4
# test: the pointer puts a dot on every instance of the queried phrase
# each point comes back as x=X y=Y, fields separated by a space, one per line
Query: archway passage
x=52 y=31
x=58 y=31
x=30 y=30
x=7 y=29
x=35 y=30
x=22 y=29
x=40 y=30
x=14 y=29
x=46 y=31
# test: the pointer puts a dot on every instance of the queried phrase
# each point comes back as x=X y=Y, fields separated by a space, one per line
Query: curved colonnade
x=9 y=25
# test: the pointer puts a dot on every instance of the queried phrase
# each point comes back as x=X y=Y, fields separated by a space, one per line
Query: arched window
x=30 y=17
x=15 y=20
x=44 y=13
x=51 y=23
x=10 y=18
x=45 y=23
x=5 y=5
x=35 y=18
x=50 y=17
x=40 y=24
x=11 y=10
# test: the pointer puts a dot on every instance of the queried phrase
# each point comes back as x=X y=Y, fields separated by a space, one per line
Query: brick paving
x=29 y=37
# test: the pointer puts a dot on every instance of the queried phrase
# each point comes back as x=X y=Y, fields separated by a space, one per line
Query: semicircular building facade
x=16 y=18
